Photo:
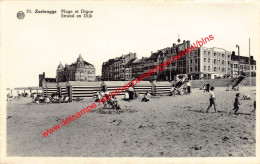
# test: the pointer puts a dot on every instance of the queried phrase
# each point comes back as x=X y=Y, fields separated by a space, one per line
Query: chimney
x=43 y=74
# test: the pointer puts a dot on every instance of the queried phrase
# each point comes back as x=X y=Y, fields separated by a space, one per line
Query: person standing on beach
x=131 y=93
x=208 y=86
x=188 y=87
x=212 y=99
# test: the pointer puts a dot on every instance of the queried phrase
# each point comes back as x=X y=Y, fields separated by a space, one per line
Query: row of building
x=203 y=63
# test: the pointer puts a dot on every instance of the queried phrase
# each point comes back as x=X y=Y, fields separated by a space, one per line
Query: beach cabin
x=161 y=87
x=49 y=88
x=143 y=86
x=111 y=86
x=62 y=89
x=96 y=87
x=79 y=89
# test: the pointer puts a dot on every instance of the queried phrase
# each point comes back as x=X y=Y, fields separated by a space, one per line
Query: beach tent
x=110 y=86
x=49 y=88
x=79 y=89
x=161 y=87
x=96 y=87
x=61 y=88
x=143 y=86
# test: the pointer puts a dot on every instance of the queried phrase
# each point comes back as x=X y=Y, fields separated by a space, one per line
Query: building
x=78 y=71
x=163 y=55
x=208 y=63
x=98 y=78
x=242 y=63
x=115 y=69
x=45 y=79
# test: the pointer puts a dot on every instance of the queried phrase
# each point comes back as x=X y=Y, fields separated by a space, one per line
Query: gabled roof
x=51 y=84
x=61 y=84
x=130 y=61
x=137 y=61
x=154 y=56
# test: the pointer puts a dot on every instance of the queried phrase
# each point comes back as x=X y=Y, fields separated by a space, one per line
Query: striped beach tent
x=111 y=86
x=79 y=89
x=161 y=87
x=143 y=86
x=61 y=88
x=96 y=87
x=49 y=88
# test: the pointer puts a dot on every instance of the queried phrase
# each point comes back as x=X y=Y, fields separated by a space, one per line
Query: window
x=204 y=52
x=190 y=69
x=223 y=70
x=196 y=68
x=209 y=68
x=215 y=68
x=223 y=55
x=208 y=60
x=190 y=61
x=208 y=53
x=215 y=61
x=205 y=60
x=204 y=68
x=228 y=62
x=196 y=61
x=214 y=53
x=222 y=61
x=228 y=56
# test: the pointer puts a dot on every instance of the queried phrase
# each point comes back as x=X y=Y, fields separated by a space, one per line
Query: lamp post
x=238 y=58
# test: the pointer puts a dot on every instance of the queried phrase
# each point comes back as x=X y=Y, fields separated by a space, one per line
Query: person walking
x=212 y=99
x=236 y=104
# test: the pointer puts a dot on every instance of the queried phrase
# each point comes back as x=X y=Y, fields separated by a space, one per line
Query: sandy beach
x=164 y=127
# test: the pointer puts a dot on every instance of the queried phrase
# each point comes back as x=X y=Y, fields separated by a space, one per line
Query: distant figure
x=146 y=97
x=246 y=97
x=131 y=93
x=34 y=97
x=204 y=88
x=212 y=99
x=172 y=91
x=188 y=87
x=114 y=103
x=98 y=96
x=208 y=87
x=236 y=104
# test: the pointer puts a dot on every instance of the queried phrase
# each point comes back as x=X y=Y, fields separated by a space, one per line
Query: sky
x=39 y=42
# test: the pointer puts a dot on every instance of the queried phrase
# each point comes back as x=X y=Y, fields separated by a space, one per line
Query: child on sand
x=212 y=99
x=236 y=103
